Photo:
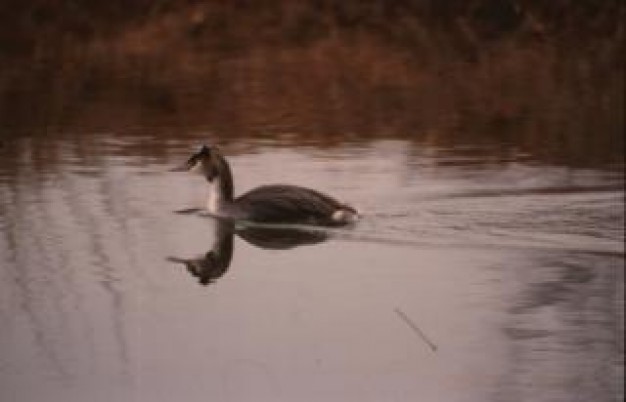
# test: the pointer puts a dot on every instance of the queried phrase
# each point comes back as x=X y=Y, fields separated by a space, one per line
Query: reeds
x=548 y=76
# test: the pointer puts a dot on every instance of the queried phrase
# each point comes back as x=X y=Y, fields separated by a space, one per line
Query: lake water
x=475 y=274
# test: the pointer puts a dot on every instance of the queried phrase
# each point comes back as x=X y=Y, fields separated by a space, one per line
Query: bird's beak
x=185 y=167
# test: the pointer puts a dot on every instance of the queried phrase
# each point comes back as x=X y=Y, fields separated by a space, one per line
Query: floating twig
x=415 y=329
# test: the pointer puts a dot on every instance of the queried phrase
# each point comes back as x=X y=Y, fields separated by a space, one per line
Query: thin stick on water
x=415 y=329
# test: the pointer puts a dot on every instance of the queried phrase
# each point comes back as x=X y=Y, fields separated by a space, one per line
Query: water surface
x=475 y=275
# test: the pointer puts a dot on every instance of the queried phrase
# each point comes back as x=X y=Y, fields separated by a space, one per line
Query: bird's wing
x=287 y=203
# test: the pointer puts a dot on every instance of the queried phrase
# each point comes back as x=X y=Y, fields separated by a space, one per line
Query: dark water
x=474 y=276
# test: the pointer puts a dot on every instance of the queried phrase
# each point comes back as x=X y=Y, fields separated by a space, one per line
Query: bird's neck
x=221 y=188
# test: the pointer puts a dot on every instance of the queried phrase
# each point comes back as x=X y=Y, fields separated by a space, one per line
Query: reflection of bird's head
x=207 y=268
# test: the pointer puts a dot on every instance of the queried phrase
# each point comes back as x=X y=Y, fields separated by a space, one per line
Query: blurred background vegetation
x=545 y=75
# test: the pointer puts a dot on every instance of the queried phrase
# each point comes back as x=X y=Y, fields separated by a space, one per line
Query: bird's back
x=289 y=204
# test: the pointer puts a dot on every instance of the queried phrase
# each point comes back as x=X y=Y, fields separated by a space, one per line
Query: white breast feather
x=215 y=199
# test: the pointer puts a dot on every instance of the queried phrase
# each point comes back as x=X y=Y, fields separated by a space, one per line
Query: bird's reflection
x=215 y=262
x=274 y=238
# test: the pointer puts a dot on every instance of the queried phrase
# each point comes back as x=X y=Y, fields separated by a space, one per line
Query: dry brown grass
x=265 y=72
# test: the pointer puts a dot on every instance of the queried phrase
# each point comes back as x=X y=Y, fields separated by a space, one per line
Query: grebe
x=279 y=203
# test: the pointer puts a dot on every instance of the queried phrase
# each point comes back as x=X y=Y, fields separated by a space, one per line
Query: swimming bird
x=277 y=203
